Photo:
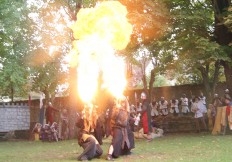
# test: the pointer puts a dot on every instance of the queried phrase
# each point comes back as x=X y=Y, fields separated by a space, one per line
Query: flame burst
x=99 y=31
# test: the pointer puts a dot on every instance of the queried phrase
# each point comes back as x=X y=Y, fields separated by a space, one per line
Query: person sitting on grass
x=156 y=132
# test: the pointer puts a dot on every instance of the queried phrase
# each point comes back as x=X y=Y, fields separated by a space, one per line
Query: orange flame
x=99 y=32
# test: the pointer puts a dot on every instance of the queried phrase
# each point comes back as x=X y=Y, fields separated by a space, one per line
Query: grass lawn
x=170 y=148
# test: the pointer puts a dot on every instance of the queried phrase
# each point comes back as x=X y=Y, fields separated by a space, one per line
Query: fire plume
x=99 y=31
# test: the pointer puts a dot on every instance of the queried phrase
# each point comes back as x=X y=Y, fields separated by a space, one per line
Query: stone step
x=2 y=135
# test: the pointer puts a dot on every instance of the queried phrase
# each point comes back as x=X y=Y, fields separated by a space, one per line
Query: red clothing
x=145 y=123
x=50 y=113
x=227 y=110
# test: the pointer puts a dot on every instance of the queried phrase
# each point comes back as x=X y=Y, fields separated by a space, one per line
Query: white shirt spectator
x=184 y=105
x=202 y=100
x=163 y=104
x=197 y=109
x=174 y=106
x=154 y=110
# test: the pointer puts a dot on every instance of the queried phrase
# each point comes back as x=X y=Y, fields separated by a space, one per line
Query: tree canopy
x=187 y=41
x=14 y=44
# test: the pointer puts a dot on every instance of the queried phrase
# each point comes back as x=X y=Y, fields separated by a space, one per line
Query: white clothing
x=41 y=97
x=154 y=109
x=202 y=99
x=140 y=107
x=174 y=106
x=198 y=109
x=137 y=119
x=184 y=105
x=164 y=107
x=140 y=134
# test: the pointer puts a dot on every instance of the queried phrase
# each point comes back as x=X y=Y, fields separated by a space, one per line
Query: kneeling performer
x=86 y=140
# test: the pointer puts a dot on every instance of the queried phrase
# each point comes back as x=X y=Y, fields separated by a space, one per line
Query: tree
x=150 y=21
x=14 y=42
x=51 y=42
x=190 y=46
x=223 y=34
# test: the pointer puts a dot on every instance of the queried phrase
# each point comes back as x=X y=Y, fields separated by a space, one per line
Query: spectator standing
x=228 y=117
x=184 y=105
x=216 y=103
x=198 y=109
x=63 y=133
x=154 y=109
x=203 y=100
x=163 y=104
x=227 y=94
x=174 y=106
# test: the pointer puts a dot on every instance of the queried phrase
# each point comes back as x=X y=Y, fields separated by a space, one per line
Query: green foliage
x=51 y=41
x=14 y=42
x=228 y=19
x=183 y=31
x=161 y=81
x=189 y=44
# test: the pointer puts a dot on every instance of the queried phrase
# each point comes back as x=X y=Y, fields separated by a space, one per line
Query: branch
x=202 y=4
x=71 y=15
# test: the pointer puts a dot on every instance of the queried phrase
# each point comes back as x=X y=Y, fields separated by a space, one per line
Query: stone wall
x=174 y=124
x=14 y=117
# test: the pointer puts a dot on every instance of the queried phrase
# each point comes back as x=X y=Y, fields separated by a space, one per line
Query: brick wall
x=14 y=117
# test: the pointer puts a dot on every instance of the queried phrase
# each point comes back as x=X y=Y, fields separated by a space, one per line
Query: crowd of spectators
x=194 y=106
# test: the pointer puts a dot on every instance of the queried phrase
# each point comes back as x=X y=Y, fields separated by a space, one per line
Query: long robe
x=146 y=117
x=220 y=120
x=122 y=141
x=91 y=149
x=88 y=142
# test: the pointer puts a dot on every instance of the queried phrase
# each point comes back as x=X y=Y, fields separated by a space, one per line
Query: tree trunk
x=46 y=93
x=206 y=83
x=217 y=66
x=210 y=87
x=144 y=78
x=228 y=74
x=144 y=82
x=152 y=80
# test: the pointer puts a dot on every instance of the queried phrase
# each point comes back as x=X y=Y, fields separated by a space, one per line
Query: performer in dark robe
x=146 y=115
x=86 y=140
x=99 y=130
x=122 y=136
